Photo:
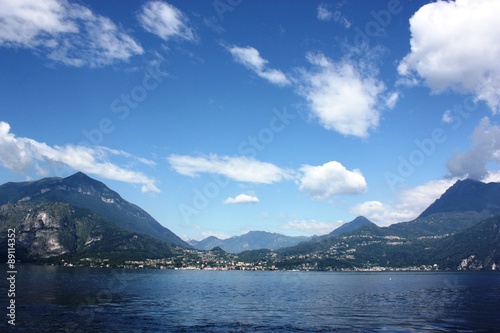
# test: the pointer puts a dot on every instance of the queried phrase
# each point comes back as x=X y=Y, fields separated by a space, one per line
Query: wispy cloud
x=241 y=199
x=213 y=24
x=330 y=179
x=19 y=154
x=250 y=58
x=447 y=117
x=324 y=14
x=64 y=32
x=238 y=168
x=165 y=21
x=342 y=96
x=455 y=46
x=117 y=152
x=391 y=100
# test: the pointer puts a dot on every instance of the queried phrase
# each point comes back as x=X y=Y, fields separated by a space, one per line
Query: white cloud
x=447 y=117
x=311 y=227
x=64 y=32
x=319 y=182
x=219 y=235
x=19 y=153
x=408 y=204
x=485 y=149
x=238 y=168
x=250 y=58
x=454 y=45
x=323 y=13
x=241 y=199
x=329 y=179
x=22 y=21
x=343 y=97
x=165 y=21
x=493 y=176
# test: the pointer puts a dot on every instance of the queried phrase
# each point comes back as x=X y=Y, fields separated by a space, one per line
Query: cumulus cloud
x=342 y=96
x=454 y=45
x=238 y=168
x=408 y=203
x=241 y=199
x=319 y=182
x=329 y=179
x=311 y=227
x=64 y=32
x=250 y=58
x=485 y=149
x=165 y=21
x=19 y=154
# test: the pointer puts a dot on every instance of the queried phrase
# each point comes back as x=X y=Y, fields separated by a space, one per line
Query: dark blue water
x=64 y=299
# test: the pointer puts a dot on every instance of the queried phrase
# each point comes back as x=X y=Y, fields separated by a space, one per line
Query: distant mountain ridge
x=252 y=240
x=256 y=240
x=450 y=236
x=81 y=191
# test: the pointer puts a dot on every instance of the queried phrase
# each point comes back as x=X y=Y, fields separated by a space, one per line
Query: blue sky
x=221 y=117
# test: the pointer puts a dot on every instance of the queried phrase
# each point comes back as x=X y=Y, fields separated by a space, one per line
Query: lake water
x=77 y=299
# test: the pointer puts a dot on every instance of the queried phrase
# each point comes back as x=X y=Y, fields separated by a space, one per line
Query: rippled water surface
x=70 y=299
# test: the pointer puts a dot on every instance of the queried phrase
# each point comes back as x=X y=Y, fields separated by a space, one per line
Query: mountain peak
x=466 y=195
x=81 y=178
x=359 y=219
x=358 y=222
x=467 y=182
x=78 y=175
x=82 y=191
x=252 y=240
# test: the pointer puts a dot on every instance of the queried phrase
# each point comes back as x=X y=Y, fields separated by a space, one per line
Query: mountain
x=206 y=243
x=477 y=247
x=252 y=240
x=52 y=231
x=467 y=195
x=79 y=190
x=449 y=235
x=357 y=223
x=79 y=219
x=461 y=206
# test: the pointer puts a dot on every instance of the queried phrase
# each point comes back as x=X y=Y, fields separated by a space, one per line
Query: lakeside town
x=219 y=260
x=223 y=265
